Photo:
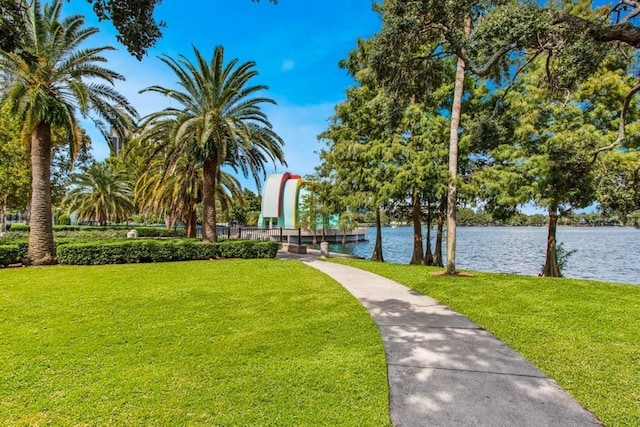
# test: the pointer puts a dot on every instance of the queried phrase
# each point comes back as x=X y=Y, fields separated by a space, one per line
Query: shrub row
x=143 y=231
x=142 y=251
x=16 y=251
x=157 y=232
x=13 y=254
x=25 y=227
x=115 y=251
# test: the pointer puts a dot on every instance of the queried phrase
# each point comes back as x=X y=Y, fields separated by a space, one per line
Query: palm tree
x=177 y=192
x=228 y=189
x=45 y=86
x=220 y=122
x=100 y=194
x=173 y=193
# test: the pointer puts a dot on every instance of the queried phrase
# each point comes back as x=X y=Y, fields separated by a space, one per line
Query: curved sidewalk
x=444 y=370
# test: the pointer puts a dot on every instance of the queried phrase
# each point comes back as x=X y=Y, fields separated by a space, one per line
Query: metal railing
x=253 y=233
x=287 y=235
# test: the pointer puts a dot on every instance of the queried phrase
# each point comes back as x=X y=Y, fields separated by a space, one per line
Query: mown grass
x=584 y=334
x=234 y=342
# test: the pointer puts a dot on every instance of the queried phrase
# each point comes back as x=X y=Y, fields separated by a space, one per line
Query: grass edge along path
x=233 y=342
x=583 y=334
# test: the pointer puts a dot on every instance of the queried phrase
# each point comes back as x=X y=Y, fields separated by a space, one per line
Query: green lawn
x=260 y=342
x=584 y=334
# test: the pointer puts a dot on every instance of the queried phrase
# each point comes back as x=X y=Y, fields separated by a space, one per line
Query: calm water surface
x=602 y=253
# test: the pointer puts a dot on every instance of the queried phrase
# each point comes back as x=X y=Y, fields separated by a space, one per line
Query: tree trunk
x=3 y=214
x=551 y=268
x=428 y=254
x=209 y=220
x=456 y=111
x=417 y=257
x=437 y=256
x=42 y=250
x=377 y=249
x=27 y=212
x=190 y=226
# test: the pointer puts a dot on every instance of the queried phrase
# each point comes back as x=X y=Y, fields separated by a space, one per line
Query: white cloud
x=287 y=65
x=299 y=127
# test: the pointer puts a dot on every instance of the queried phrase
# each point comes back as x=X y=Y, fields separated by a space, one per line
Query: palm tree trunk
x=191 y=224
x=27 y=213
x=417 y=257
x=551 y=268
x=209 y=220
x=3 y=214
x=42 y=250
x=377 y=249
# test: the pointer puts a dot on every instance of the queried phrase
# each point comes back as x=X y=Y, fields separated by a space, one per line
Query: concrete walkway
x=444 y=370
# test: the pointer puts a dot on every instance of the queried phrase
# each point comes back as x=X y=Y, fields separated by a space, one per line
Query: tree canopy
x=540 y=93
x=46 y=94
x=219 y=121
x=137 y=28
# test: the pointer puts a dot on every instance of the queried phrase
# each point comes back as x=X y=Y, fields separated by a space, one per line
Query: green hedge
x=16 y=251
x=143 y=231
x=85 y=251
x=157 y=232
x=13 y=254
x=19 y=227
x=142 y=251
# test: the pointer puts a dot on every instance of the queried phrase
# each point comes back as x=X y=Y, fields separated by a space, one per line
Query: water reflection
x=602 y=253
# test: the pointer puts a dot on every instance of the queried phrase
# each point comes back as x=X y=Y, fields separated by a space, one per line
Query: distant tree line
x=479 y=217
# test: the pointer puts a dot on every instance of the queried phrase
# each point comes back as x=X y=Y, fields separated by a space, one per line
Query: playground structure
x=282 y=199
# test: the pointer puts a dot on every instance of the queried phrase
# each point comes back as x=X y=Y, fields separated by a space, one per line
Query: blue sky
x=296 y=45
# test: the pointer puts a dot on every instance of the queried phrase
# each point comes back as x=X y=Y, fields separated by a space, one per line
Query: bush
x=141 y=251
x=19 y=227
x=64 y=219
x=90 y=233
x=13 y=254
x=12 y=236
x=158 y=232
x=16 y=251
x=108 y=231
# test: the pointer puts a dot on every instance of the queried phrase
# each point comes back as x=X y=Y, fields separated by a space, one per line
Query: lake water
x=602 y=253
